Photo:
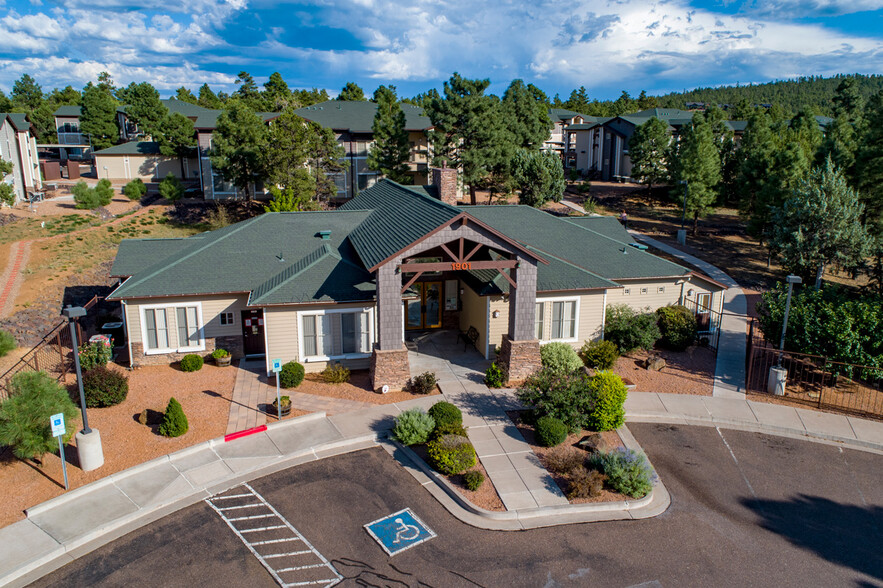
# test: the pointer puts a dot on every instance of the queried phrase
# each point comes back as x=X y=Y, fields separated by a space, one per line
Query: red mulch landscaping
x=485 y=497
x=685 y=372
x=205 y=396
x=358 y=388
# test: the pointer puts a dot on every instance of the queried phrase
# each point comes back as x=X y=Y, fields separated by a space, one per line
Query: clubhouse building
x=352 y=285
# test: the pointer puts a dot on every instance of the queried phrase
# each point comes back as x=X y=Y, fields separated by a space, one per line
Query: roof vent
x=325 y=235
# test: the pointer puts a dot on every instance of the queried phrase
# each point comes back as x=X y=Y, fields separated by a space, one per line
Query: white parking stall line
x=291 y=563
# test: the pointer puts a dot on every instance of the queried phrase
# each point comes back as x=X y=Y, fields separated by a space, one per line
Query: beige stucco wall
x=474 y=314
x=150 y=168
x=212 y=307
x=672 y=293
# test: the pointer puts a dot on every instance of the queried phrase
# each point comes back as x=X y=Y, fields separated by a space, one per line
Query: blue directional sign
x=399 y=531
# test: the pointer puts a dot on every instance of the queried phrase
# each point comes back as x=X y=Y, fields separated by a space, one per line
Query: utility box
x=51 y=170
x=73 y=169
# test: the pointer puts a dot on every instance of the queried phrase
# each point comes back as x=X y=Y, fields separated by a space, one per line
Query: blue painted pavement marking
x=399 y=531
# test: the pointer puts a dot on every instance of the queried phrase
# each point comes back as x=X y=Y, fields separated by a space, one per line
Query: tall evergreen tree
x=697 y=163
x=647 y=150
x=646 y=102
x=325 y=158
x=98 y=117
x=391 y=149
x=624 y=104
x=176 y=137
x=277 y=94
x=848 y=100
x=470 y=133
x=239 y=144
x=538 y=176
x=526 y=110
x=144 y=108
x=26 y=93
x=351 y=92
x=578 y=100
x=5 y=103
x=248 y=92
x=821 y=224
x=208 y=99
x=185 y=95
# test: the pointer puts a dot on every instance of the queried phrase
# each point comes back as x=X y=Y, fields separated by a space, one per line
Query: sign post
x=56 y=421
x=277 y=367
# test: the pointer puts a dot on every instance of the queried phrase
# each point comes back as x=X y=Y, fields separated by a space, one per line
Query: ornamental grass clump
x=627 y=471
x=413 y=427
x=7 y=343
x=335 y=373
x=560 y=358
x=174 y=422
x=24 y=416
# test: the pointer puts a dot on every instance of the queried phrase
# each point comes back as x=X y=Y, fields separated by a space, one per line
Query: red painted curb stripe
x=245 y=433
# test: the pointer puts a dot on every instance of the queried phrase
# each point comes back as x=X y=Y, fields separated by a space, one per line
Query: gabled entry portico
x=461 y=244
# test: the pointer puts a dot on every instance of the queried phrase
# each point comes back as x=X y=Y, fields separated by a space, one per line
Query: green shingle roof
x=136 y=254
x=68 y=111
x=609 y=226
x=132 y=148
x=358 y=117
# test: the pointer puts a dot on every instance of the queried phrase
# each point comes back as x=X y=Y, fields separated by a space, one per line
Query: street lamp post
x=89 y=449
x=682 y=233
x=778 y=374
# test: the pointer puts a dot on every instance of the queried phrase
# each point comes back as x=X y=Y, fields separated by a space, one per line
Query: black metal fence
x=814 y=380
x=53 y=355
x=708 y=322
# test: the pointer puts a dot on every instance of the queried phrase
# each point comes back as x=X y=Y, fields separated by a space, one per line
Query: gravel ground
x=568 y=446
x=358 y=388
x=685 y=372
x=485 y=497
x=204 y=395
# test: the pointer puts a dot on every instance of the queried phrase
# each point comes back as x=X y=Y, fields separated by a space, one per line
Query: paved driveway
x=747 y=509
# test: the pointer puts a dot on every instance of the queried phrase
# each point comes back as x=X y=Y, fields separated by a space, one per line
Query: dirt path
x=12 y=275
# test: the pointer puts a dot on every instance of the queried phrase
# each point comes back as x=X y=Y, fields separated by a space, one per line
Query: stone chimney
x=445 y=181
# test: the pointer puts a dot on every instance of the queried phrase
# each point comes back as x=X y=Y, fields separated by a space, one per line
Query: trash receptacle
x=776 y=382
x=116 y=331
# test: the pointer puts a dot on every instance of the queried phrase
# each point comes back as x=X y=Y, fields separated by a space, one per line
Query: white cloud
x=790 y=9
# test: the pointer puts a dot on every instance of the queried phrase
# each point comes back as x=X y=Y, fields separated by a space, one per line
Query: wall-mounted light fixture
x=689 y=292
x=496 y=314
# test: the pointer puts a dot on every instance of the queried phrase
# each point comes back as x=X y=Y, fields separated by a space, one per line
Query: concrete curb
x=35 y=566
x=654 y=504
x=749 y=427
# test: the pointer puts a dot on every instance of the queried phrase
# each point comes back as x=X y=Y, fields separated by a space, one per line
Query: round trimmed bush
x=608 y=392
x=104 y=387
x=135 y=190
x=292 y=375
x=445 y=414
x=191 y=363
x=560 y=358
x=174 y=421
x=600 y=355
x=677 y=326
x=451 y=454
x=413 y=427
x=473 y=480
x=550 y=431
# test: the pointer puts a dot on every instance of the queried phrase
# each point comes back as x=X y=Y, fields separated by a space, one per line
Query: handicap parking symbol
x=399 y=531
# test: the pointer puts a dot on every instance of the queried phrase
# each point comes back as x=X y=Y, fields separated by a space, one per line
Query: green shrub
x=95 y=354
x=677 y=326
x=608 y=398
x=451 y=454
x=7 y=343
x=423 y=384
x=220 y=353
x=104 y=387
x=560 y=358
x=563 y=396
x=292 y=375
x=171 y=187
x=135 y=190
x=630 y=330
x=335 y=373
x=413 y=427
x=24 y=416
x=599 y=355
x=473 y=479
x=585 y=483
x=494 y=377
x=174 y=421
x=627 y=472
x=590 y=205
x=448 y=429
x=445 y=413
x=550 y=431
x=191 y=363
x=85 y=197
x=104 y=191
x=7 y=192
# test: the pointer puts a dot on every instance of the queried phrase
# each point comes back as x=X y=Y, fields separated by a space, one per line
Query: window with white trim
x=227 y=318
x=661 y=290
x=157 y=329
x=172 y=328
x=327 y=335
x=188 y=327
x=626 y=291
x=539 y=321
x=644 y=290
x=564 y=320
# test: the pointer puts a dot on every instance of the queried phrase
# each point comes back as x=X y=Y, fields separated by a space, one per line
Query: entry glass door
x=424 y=312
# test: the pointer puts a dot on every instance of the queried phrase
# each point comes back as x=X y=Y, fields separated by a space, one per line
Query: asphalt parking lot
x=747 y=509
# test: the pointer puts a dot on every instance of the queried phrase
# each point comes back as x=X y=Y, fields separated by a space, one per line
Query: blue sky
x=606 y=45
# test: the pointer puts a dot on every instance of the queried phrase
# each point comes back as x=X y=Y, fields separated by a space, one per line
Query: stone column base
x=391 y=368
x=519 y=359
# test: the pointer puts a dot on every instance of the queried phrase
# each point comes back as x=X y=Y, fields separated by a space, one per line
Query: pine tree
x=470 y=133
x=646 y=102
x=391 y=149
x=351 y=92
x=185 y=95
x=176 y=137
x=697 y=164
x=208 y=99
x=290 y=157
x=526 y=111
x=539 y=177
x=820 y=224
x=98 y=117
x=26 y=93
x=239 y=145
x=144 y=108
x=647 y=151
x=324 y=156
x=624 y=104
x=578 y=100
x=277 y=94
x=248 y=92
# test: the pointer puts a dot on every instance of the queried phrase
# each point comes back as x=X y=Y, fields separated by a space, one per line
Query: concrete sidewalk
x=729 y=371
